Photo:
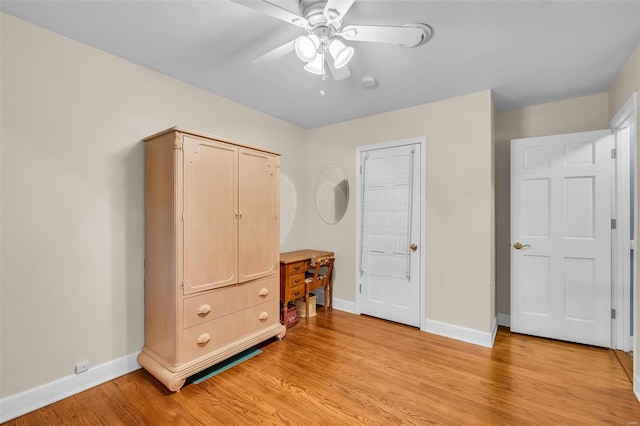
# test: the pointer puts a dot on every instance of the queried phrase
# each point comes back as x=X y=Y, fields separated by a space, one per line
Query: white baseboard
x=440 y=328
x=494 y=331
x=30 y=400
x=636 y=386
x=504 y=320
x=344 y=305
x=338 y=304
x=469 y=335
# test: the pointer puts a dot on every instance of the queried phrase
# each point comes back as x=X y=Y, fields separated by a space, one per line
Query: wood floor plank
x=344 y=369
x=626 y=362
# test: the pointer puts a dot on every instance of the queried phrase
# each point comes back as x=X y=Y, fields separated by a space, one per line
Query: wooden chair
x=319 y=276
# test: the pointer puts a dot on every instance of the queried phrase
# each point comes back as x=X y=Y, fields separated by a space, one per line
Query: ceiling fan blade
x=275 y=11
x=412 y=35
x=275 y=53
x=335 y=10
x=338 y=73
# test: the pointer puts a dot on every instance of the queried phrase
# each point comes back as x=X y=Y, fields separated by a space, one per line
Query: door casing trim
x=627 y=116
x=422 y=141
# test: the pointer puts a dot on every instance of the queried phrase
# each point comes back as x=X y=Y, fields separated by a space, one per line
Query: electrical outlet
x=82 y=366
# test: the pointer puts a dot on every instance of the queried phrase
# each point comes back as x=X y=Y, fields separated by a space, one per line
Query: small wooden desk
x=293 y=265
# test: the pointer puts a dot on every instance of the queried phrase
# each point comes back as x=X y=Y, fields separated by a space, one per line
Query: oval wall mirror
x=332 y=193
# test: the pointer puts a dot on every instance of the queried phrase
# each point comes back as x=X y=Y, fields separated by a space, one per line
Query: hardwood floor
x=345 y=369
x=626 y=362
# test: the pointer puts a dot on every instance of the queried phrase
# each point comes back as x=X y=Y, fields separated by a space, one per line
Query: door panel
x=390 y=270
x=579 y=207
x=560 y=212
x=579 y=281
x=536 y=207
x=536 y=283
x=210 y=238
x=258 y=208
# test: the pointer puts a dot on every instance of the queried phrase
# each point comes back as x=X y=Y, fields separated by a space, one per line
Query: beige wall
x=459 y=201
x=72 y=185
x=72 y=195
x=626 y=83
x=572 y=115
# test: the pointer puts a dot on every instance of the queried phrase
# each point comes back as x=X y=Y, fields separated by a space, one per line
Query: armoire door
x=209 y=217
x=258 y=204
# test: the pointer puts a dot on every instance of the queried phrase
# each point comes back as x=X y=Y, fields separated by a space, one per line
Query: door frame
x=622 y=285
x=422 y=141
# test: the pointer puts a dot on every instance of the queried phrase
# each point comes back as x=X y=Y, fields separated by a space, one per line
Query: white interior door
x=390 y=223
x=561 y=189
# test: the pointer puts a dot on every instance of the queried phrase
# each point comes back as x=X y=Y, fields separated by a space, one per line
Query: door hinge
x=613 y=314
x=360 y=288
x=360 y=168
x=614 y=224
x=613 y=153
x=182 y=216
x=182 y=285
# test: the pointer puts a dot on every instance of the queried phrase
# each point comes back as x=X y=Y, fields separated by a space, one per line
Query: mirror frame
x=325 y=170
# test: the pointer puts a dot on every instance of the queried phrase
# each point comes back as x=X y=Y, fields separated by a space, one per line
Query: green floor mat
x=224 y=365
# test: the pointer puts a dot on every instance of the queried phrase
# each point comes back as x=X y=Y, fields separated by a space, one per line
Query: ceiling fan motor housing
x=313 y=10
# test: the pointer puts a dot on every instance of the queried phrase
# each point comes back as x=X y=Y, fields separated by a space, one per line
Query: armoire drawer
x=204 y=338
x=225 y=300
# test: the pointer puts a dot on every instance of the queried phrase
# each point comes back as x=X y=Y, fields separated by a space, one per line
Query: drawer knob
x=204 y=338
x=263 y=316
x=297 y=293
x=204 y=310
x=297 y=268
x=296 y=281
x=263 y=291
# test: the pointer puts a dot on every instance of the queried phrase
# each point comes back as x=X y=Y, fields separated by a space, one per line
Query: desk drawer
x=295 y=280
x=298 y=267
x=295 y=292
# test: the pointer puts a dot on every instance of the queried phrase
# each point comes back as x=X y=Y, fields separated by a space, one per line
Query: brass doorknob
x=414 y=246
x=519 y=246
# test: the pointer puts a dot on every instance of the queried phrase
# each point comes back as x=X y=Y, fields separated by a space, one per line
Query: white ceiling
x=527 y=52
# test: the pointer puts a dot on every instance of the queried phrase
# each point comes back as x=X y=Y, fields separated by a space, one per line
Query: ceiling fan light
x=341 y=54
x=306 y=47
x=316 y=66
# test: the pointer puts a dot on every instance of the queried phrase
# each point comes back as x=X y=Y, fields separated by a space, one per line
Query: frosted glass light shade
x=341 y=54
x=317 y=66
x=306 y=47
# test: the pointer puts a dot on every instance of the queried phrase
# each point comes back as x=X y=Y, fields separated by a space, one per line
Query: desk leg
x=331 y=293
x=284 y=312
x=326 y=299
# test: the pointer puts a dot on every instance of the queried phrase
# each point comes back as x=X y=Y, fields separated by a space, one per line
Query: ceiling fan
x=323 y=21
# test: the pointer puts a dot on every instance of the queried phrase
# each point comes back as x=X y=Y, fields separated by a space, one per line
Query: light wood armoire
x=211 y=252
